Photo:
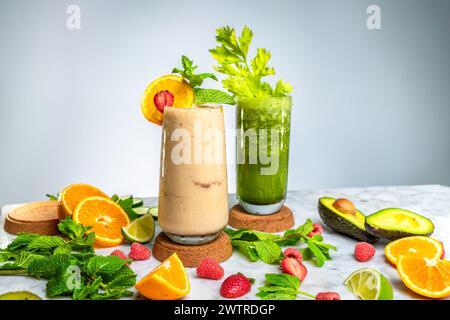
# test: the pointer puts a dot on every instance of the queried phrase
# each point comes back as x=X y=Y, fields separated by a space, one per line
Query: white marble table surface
x=432 y=201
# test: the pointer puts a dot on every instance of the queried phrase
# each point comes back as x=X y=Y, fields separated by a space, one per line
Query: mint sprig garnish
x=281 y=287
x=70 y=265
x=244 y=76
x=257 y=245
x=202 y=95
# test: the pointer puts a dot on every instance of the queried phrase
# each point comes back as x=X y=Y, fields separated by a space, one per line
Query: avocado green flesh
x=395 y=223
x=347 y=224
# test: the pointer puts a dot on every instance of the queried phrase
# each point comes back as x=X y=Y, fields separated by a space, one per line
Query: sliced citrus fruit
x=168 y=281
x=166 y=91
x=417 y=246
x=369 y=284
x=73 y=194
x=140 y=230
x=105 y=217
x=429 y=278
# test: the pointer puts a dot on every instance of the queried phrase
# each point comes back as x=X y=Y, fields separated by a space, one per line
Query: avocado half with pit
x=342 y=216
x=395 y=223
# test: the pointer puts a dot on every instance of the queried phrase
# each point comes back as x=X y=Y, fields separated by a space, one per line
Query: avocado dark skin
x=344 y=226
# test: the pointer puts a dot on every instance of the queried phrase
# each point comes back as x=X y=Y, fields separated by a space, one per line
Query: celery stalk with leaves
x=245 y=76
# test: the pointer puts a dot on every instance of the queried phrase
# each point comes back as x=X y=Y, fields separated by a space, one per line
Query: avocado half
x=347 y=224
x=395 y=223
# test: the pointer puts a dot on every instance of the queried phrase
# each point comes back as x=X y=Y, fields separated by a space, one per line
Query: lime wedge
x=140 y=230
x=137 y=202
x=154 y=212
x=141 y=210
x=369 y=284
x=19 y=295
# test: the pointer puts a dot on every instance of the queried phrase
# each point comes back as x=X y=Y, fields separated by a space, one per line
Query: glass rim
x=288 y=97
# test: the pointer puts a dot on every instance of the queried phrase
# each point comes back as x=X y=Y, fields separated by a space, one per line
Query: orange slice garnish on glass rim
x=429 y=278
x=168 y=281
x=105 y=217
x=166 y=91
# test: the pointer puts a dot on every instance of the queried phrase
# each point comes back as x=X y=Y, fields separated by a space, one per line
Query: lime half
x=154 y=212
x=369 y=284
x=140 y=230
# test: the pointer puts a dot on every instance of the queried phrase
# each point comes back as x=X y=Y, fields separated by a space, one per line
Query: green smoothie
x=263 y=126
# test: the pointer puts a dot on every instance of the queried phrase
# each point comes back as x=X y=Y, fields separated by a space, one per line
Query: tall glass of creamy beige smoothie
x=193 y=196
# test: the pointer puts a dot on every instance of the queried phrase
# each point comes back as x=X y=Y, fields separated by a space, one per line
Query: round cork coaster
x=191 y=255
x=276 y=222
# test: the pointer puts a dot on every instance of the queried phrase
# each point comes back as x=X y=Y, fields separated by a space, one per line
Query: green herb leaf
x=203 y=96
x=52 y=197
x=72 y=229
x=268 y=251
x=283 y=280
x=103 y=265
x=244 y=77
x=195 y=80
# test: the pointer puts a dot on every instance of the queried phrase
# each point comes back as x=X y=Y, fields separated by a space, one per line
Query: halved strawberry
x=294 y=267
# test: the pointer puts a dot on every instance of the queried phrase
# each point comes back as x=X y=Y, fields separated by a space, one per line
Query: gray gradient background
x=371 y=107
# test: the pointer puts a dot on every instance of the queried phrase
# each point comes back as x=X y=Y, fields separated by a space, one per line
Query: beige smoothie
x=193 y=176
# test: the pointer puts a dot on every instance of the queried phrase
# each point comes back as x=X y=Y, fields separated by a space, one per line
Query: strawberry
x=318 y=229
x=235 y=286
x=294 y=267
x=209 y=269
x=162 y=99
x=293 y=253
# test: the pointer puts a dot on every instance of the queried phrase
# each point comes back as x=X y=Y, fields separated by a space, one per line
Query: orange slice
x=166 y=91
x=73 y=194
x=417 y=246
x=105 y=217
x=429 y=278
x=168 y=281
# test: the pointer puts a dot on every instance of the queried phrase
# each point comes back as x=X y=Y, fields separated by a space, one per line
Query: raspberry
x=318 y=229
x=328 y=296
x=364 y=251
x=292 y=253
x=294 y=267
x=235 y=286
x=210 y=269
x=139 y=252
x=120 y=254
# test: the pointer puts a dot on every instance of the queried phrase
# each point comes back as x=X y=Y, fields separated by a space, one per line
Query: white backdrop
x=370 y=107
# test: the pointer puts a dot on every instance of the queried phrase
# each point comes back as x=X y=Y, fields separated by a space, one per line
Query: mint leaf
x=122 y=279
x=247 y=249
x=276 y=293
x=283 y=280
x=72 y=229
x=203 y=96
x=268 y=251
x=112 y=294
x=85 y=291
x=319 y=256
x=21 y=242
x=195 y=80
x=45 y=243
x=103 y=265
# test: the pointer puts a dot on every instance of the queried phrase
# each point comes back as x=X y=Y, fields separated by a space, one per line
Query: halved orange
x=73 y=194
x=166 y=91
x=429 y=278
x=168 y=281
x=417 y=246
x=105 y=217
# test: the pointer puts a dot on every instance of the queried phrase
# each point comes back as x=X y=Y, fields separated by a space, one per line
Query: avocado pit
x=345 y=206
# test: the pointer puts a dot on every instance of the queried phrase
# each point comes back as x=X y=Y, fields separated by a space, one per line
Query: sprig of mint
x=70 y=266
x=257 y=245
x=202 y=95
x=128 y=204
x=281 y=287
x=244 y=75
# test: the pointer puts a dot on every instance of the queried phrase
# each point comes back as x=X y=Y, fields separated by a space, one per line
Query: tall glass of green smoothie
x=263 y=120
x=262 y=149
